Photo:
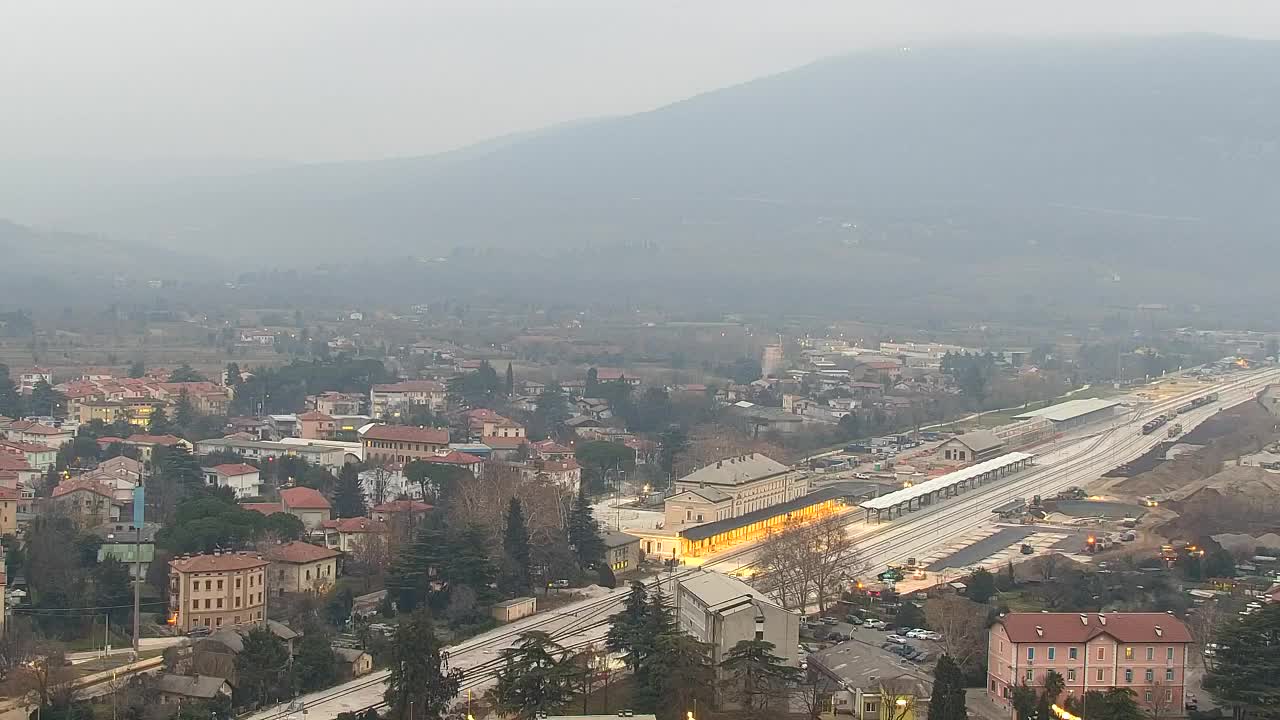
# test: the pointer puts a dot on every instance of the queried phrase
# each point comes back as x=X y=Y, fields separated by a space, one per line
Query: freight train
x=1151 y=425
x=1198 y=403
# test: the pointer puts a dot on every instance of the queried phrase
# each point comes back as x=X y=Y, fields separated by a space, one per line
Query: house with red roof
x=29 y=431
x=385 y=444
x=243 y=478
x=466 y=461
x=400 y=513
x=216 y=591
x=300 y=567
x=347 y=534
x=550 y=450
x=1146 y=653
x=148 y=443
x=306 y=504
x=315 y=425
x=90 y=502
x=40 y=457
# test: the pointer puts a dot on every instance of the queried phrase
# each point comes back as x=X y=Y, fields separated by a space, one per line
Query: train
x=1151 y=425
x=1198 y=403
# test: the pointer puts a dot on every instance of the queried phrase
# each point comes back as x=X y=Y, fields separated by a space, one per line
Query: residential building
x=621 y=551
x=315 y=425
x=244 y=479
x=395 y=513
x=217 y=590
x=122 y=542
x=348 y=534
x=89 y=502
x=465 y=460
x=722 y=611
x=506 y=448
x=146 y=444
x=393 y=398
x=1147 y=653
x=40 y=457
x=336 y=403
x=565 y=473
x=867 y=683
x=306 y=504
x=550 y=450
x=29 y=378
x=970 y=447
x=328 y=456
x=174 y=689
x=9 y=499
x=501 y=427
x=732 y=487
x=618 y=375
x=299 y=567
x=399 y=443
x=34 y=433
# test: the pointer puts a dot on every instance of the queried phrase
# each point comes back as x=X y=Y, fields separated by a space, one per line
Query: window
x=1168 y=674
x=219 y=584
x=237 y=620
x=206 y=622
x=237 y=583
x=1168 y=654
x=308 y=574
x=871 y=707
x=237 y=601
x=1102 y=653
x=1001 y=646
x=219 y=603
x=1168 y=695
x=207 y=604
x=1151 y=653
x=699 y=517
x=1053 y=653
x=1128 y=652
x=281 y=574
x=1073 y=653
x=1031 y=653
x=1031 y=675
x=1071 y=674
x=1150 y=675
x=217 y=621
x=208 y=584
x=195 y=604
x=1147 y=696
x=1128 y=675
x=259 y=614
x=1099 y=674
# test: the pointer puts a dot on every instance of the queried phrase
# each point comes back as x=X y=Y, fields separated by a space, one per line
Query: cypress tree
x=515 y=552
x=584 y=531
x=947 y=701
x=348 y=495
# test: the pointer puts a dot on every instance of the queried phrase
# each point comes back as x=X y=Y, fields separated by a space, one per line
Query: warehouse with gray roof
x=1074 y=413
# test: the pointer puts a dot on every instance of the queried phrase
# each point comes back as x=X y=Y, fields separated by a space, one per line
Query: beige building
x=299 y=567
x=217 y=590
x=385 y=444
x=394 y=398
x=970 y=447
x=8 y=512
x=621 y=551
x=306 y=504
x=349 y=534
x=731 y=488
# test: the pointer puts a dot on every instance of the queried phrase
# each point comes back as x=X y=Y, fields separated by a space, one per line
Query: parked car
x=828 y=620
x=930 y=635
x=199 y=631
x=898 y=639
x=875 y=624
x=916 y=634
x=853 y=619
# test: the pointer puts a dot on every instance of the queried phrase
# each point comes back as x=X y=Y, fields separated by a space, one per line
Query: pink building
x=1144 y=652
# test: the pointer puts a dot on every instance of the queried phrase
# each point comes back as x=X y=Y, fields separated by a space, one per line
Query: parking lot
x=897 y=646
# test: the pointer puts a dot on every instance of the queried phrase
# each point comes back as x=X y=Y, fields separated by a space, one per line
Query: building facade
x=218 y=590
x=721 y=610
x=388 y=399
x=399 y=444
x=299 y=567
x=733 y=487
x=1146 y=653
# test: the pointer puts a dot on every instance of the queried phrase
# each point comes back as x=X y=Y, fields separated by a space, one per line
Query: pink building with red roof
x=1146 y=653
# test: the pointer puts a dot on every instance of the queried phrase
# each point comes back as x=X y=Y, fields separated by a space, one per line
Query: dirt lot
x=1204 y=491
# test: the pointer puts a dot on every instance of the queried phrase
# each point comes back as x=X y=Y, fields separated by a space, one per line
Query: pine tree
x=181 y=468
x=418 y=685
x=537 y=678
x=183 y=412
x=315 y=663
x=515 y=552
x=511 y=381
x=947 y=702
x=412 y=570
x=233 y=374
x=683 y=677
x=584 y=531
x=348 y=494
x=468 y=563
x=160 y=424
x=10 y=398
x=756 y=677
x=658 y=622
x=627 y=626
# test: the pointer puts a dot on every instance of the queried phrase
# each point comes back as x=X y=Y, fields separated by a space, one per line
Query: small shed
x=352 y=662
x=179 y=688
x=514 y=609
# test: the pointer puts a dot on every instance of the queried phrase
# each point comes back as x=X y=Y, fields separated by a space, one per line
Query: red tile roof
x=166 y=440
x=315 y=415
x=298 y=552
x=8 y=493
x=603 y=374
x=398 y=506
x=455 y=457
x=303 y=498
x=234 y=469
x=76 y=484
x=34 y=428
x=356 y=525
x=26 y=447
x=218 y=563
x=10 y=461
x=266 y=508
x=404 y=433
x=1082 y=627
x=551 y=447
x=566 y=465
x=106 y=440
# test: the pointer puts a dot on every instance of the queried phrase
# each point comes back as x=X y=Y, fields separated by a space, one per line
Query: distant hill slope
x=1099 y=159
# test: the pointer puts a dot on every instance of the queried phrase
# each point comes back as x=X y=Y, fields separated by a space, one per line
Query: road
x=1075 y=461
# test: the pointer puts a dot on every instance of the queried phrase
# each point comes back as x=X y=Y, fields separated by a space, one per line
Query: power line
x=72 y=609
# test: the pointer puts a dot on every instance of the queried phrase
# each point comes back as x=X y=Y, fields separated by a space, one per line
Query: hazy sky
x=305 y=80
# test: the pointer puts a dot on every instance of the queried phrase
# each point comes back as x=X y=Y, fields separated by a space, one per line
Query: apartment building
x=299 y=567
x=384 y=444
x=218 y=590
x=389 y=399
x=1146 y=653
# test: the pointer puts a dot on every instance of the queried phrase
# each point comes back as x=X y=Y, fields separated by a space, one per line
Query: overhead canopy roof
x=1069 y=410
x=899 y=497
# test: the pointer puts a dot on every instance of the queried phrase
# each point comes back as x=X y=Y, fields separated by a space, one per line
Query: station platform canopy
x=942 y=482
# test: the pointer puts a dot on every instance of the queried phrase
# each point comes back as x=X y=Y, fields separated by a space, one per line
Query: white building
x=244 y=479
x=732 y=487
x=388 y=399
x=722 y=611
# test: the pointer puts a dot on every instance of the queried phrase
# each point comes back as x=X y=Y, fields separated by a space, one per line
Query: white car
x=897 y=639
x=930 y=635
x=875 y=624
x=916 y=634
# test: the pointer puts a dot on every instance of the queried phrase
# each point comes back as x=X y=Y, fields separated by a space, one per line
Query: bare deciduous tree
x=1159 y=703
x=962 y=624
x=810 y=561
